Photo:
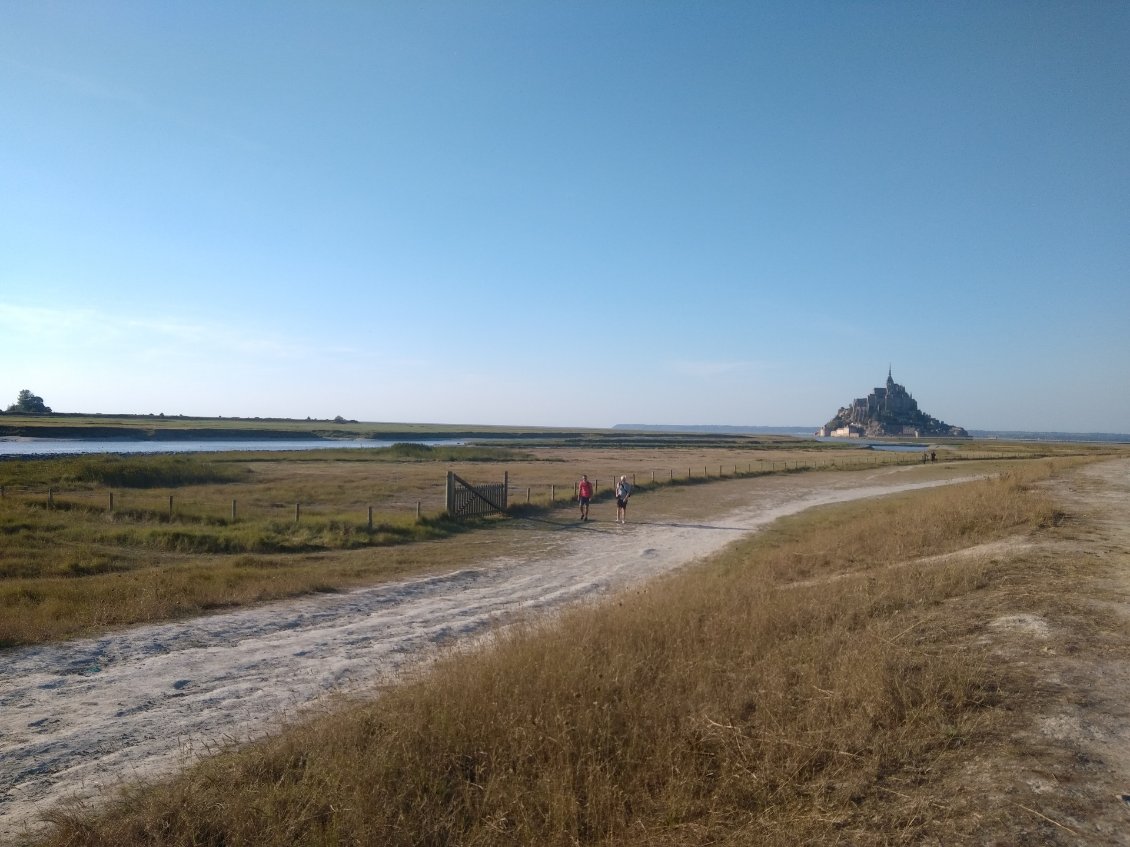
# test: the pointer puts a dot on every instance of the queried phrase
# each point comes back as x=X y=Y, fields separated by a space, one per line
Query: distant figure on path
x=623 y=492
x=933 y=456
x=584 y=494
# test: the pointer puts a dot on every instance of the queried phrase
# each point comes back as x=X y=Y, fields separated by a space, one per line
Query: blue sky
x=567 y=213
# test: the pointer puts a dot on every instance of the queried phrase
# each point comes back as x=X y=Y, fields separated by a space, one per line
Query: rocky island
x=888 y=410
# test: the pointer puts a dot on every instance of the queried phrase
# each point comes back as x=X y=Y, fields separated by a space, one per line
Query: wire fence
x=192 y=507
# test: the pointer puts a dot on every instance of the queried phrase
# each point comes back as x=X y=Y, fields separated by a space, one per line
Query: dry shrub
x=725 y=704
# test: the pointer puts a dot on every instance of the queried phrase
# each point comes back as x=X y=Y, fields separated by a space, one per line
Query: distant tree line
x=29 y=404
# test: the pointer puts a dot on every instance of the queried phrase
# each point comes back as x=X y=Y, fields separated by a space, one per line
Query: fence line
x=121 y=506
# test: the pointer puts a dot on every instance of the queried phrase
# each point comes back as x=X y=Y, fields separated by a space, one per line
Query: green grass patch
x=153 y=471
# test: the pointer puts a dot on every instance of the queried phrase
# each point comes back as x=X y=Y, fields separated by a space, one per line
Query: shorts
x=584 y=501
x=622 y=502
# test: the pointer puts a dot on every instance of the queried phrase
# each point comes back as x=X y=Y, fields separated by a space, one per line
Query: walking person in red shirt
x=584 y=494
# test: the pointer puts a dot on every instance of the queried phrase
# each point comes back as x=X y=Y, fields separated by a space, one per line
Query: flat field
x=96 y=542
x=878 y=672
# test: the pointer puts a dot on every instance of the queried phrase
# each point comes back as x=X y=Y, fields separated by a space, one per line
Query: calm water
x=867 y=444
x=63 y=446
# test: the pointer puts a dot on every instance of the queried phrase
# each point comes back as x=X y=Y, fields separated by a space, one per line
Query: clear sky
x=567 y=213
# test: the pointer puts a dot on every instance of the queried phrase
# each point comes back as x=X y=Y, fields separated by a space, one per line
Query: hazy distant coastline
x=800 y=431
x=183 y=428
x=1018 y=435
x=1051 y=436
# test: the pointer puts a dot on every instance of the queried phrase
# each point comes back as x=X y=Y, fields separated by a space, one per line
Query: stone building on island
x=888 y=410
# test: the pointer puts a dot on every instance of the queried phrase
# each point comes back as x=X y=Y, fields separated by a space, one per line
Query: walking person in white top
x=623 y=492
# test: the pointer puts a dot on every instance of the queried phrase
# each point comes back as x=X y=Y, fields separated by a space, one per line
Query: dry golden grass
x=814 y=684
x=79 y=568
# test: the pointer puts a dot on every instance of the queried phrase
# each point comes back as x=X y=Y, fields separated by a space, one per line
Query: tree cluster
x=29 y=404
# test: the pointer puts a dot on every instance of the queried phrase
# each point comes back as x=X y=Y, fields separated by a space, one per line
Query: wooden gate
x=465 y=500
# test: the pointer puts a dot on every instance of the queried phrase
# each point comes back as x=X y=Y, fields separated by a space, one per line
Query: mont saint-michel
x=888 y=410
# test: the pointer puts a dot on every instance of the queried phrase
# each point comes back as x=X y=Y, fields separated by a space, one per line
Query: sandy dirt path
x=1067 y=774
x=78 y=717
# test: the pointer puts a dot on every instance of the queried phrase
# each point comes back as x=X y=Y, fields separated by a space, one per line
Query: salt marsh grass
x=815 y=683
x=83 y=535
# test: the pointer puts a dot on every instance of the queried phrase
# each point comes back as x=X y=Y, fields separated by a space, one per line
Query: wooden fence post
x=370 y=519
x=111 y=507
x=551 y=491
x=233 y=509
x=417 y=511
x=170 y=505
x=297 y=512
x=50 y=498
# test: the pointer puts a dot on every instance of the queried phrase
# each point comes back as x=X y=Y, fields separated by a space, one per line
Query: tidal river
x=65 y=446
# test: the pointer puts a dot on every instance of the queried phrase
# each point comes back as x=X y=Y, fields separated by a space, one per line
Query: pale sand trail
x=78 y=717
x=1069 y=771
